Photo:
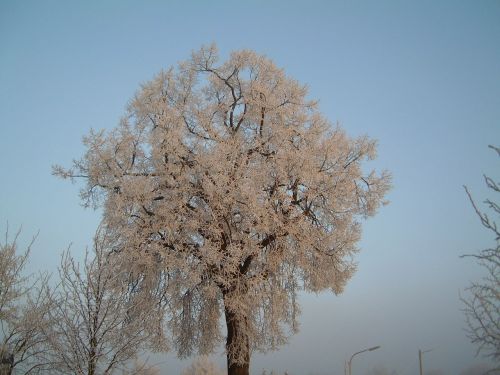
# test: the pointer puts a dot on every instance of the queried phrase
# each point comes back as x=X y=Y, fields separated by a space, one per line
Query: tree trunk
x=234 y=328
x=92 y=358
x=91 y=369
x=6 y=362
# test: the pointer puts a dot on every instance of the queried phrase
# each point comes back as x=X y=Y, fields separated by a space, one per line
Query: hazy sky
x=421 y=77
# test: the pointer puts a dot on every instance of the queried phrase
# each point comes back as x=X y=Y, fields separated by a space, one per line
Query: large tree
x=228 y=181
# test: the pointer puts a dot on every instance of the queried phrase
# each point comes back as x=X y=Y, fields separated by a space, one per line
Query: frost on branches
x=98 y=322
x=482 y=302
x=24 y=306
x=225 y=181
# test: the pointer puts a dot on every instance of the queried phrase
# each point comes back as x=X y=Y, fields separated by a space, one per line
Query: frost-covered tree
x=225 y=179
x=482 y=302
x=23 y=309
x=98 y=324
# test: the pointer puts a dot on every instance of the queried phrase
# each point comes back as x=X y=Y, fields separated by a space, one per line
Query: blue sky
x=421 y=77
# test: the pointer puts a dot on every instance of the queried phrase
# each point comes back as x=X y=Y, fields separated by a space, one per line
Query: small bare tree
x=482 y=304
x=99 y=323
x=23 y=308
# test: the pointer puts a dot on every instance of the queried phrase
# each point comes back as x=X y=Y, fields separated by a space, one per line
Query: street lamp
x=420 y=354
x=361 y=351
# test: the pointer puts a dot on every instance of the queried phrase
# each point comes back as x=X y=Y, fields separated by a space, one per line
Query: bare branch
x=482 y=302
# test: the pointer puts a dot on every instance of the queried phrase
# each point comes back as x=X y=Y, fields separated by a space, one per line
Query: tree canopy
x=229 y=188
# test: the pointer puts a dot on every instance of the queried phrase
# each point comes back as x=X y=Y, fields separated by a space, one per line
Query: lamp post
x=361 y=351
x=420 y=354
